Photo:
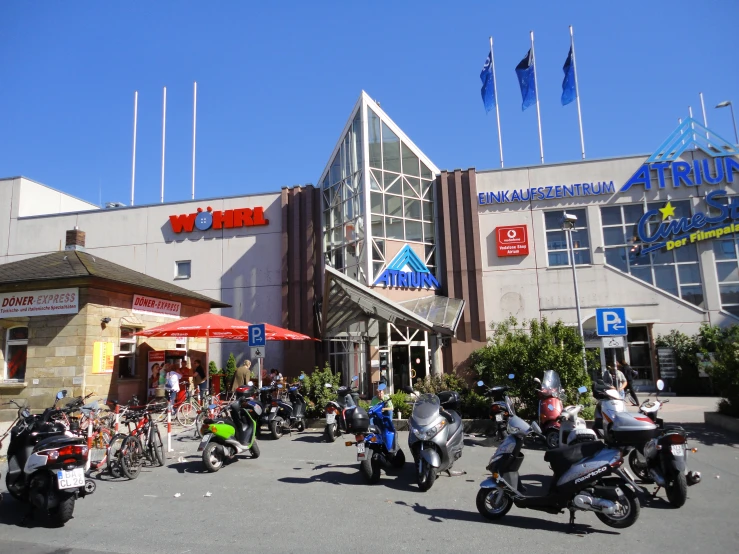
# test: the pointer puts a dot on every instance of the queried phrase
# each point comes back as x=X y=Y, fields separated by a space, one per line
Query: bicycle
x=212 y=409
x=133 y=451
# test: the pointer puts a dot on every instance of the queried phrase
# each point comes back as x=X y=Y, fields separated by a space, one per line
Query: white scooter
x=572 y=428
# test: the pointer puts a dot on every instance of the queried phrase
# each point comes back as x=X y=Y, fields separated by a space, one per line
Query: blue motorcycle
x=375 y=438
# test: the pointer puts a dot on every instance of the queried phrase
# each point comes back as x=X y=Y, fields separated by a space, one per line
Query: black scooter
x=347 y=397
x=46 y=468
x=587 y=477
x=287 y=414
x=501 y=408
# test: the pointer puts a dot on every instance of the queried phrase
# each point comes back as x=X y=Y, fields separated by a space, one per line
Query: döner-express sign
x=39 y=302
x=209 y=219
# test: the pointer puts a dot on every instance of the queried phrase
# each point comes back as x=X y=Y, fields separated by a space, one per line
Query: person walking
x=617 y=380
x=199 y=380
x=630 y=375
x=242 y=376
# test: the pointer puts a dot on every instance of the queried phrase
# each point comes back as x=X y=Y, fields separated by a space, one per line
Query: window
x=676 y=271
x=182 y=269
x=557 y=238
x=127 y=354
x=16 y=347
x=639 y=354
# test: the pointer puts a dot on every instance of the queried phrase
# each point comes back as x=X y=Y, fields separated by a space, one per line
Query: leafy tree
x=722 y=346
x=229 y=371
x=527 y=350
x=686 y=351
x=316 y=393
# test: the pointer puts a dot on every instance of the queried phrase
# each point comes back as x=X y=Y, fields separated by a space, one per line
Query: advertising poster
x=103 y=357
x=155 y=365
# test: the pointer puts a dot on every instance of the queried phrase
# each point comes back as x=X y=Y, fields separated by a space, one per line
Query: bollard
x=169 y=430
x=117 y=418
x=89 y=440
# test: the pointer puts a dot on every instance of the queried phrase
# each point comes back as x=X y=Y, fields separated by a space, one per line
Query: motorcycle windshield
x=426 y=409
x=551 y=380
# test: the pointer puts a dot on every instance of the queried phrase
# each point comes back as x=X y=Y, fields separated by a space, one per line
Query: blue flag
x=526 y=80
x=488 y=84
x=569 y=89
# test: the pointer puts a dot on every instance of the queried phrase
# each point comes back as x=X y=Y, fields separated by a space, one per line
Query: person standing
x=173 y=387
x=242 y=376
x=199 y=380
x=630 y=375
x=618 y=380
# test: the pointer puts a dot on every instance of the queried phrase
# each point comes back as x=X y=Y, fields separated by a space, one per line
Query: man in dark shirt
x=630 y=375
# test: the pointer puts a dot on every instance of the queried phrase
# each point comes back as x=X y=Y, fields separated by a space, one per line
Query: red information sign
x=512 y=241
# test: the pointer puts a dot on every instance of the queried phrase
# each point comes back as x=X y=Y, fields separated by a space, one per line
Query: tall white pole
x=705 y=119
x=194 y=119
x=690 y=113
x=135 y=118
x=577 y=92
x=568 y=233
x=536 y=90
x=495 y=92
x=164 y=136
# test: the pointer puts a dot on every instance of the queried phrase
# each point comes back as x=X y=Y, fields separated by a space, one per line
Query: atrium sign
x=419 y=276
x=209 y=219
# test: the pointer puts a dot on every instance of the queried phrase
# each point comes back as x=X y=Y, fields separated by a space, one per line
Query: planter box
x=724 y=422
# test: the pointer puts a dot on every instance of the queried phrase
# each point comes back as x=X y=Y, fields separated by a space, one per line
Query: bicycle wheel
x=156 y=446
x=158 y=411
x=132 y=454
x=186 y=414
x=100 y=445
x=114 y=454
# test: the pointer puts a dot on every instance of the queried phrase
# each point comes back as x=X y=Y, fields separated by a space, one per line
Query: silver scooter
x=436 y=435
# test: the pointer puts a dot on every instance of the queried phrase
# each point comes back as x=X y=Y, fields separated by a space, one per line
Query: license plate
x=273 y=410
x=498 y=417
x=330 y=418
x=361 y=452
x=71 y=479
x=677 y=449
x=204 y=442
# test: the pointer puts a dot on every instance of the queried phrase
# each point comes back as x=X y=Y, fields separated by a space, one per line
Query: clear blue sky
x=276 y=83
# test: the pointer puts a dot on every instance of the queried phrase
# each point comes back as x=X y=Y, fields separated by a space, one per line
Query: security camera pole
x=568 y=224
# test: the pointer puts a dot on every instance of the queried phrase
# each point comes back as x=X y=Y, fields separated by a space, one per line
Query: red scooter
x=550 y=392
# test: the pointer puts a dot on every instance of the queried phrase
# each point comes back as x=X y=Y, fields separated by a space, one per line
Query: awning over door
x=346 y=301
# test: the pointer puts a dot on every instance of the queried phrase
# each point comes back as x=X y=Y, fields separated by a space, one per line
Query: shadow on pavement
x=305 y=437
x=391 y=477
x=708 y=435
x=13 y=512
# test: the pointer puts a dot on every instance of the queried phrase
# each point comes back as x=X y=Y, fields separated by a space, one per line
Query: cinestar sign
x=208 y=219
x=419 y=276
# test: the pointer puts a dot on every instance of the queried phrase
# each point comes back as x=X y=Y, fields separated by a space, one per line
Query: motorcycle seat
x=561 y=459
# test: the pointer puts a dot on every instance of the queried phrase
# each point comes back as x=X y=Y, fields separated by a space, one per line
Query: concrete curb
x=724 y=422
x=471 y=426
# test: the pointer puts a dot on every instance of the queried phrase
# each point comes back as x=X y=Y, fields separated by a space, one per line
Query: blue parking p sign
x=257 y=336
x=611 y=322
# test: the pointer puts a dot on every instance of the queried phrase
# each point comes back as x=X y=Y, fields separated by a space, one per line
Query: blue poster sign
x=611 y=322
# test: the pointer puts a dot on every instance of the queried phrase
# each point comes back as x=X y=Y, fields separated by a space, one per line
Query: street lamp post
x=733 y=119
x=568 y=224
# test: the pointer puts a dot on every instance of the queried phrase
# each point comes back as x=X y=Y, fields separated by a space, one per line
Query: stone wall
x=60 y=351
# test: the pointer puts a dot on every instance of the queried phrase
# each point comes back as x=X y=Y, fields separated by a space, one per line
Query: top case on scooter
x=450 y=400
x=357 y=420
x=629 y=430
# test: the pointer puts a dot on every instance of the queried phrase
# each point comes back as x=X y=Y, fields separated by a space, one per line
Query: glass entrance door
x=401 y=362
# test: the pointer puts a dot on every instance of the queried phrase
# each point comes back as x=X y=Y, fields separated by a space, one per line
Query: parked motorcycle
x=436 y=437
x=377 y=443
x=287 y=414
x=347 y=398
x=501 y=408
x=550 y=392
x=46 y=468
x=586 y=477
x=664 y=459
x=225 y=437
x=572 y=428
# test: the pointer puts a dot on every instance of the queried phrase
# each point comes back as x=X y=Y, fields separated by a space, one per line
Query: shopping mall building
x=388 y=259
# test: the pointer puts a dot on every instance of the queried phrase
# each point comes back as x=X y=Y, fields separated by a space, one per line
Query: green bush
x=721 y=346
x=475 y=405
x=436 y=384
x=400 y=404
x=315 y=392
x=527 y=350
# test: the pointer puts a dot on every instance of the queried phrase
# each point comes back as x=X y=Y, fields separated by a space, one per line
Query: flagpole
x=133 y=164
x=577 y=91
x=194 y=118
x=690 y=112
x=705 y=120
x=164 y=133
x=536 y=91
x=495 y=92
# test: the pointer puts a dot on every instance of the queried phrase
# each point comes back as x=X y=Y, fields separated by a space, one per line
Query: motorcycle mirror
x=660 y=384
x=302 y=376
x=480 y=384
x=250 y=383
x=537 y=380
x=328 y=385
x=355 y=378
x=511 y=376
x=381 y=386
x=61 y=394
x=582 y=390
x=279 y=386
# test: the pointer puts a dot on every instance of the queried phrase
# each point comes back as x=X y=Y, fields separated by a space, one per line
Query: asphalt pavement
x=304 y=495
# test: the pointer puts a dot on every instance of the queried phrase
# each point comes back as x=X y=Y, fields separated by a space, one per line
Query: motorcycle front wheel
x=492 y=503
x=629 y=514
x=330 y=432
x=254 y=449
x=213 y=457
x=425 y=475
x=371 y=469
x=677 y=491
x=275 y=429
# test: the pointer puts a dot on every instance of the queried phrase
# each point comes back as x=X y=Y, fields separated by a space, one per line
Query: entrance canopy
x=347 y=301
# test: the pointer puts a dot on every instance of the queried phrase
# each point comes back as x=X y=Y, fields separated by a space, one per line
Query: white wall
x=38 y=199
